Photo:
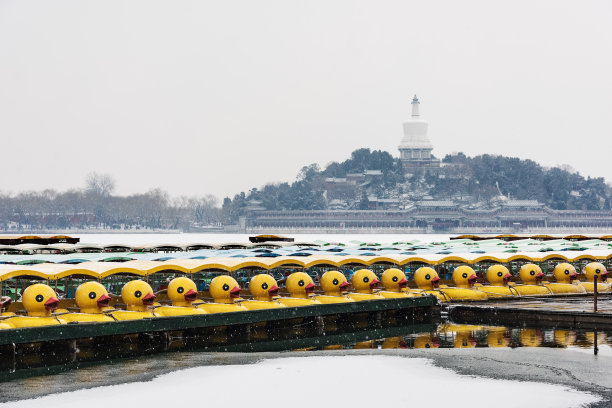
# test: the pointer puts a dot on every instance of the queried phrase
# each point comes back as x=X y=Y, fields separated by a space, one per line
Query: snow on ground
x=356 y=381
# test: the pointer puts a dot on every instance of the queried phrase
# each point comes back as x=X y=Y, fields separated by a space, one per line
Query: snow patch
x=356 y=381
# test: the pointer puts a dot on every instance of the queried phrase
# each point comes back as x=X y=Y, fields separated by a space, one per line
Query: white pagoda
x=415 y=148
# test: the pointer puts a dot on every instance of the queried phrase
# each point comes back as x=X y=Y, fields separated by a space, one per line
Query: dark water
x=52 y=359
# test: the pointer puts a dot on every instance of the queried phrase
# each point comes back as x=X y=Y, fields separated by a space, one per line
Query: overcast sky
x=201 y=97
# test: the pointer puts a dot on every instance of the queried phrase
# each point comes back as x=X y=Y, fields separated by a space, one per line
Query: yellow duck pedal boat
x=364 y=281
x=226 y=296
x=335 y=288
x=498 y=277
x=264 y=290
x=395 y=284
x=39 y=301
x=138 y=298
x=92 y=299
x=565 y=276
x=592 y=269
x=182 y=292
x=301 y=290
x=428 y=283
x=464 y=278
x=531 y=277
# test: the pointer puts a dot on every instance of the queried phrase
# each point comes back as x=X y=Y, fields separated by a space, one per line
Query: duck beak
x=344 y=285
x=235 y=293
x=309 y=288
x=604 y=275
x=539 y=276
x=435 y=281
x=191 y=295
x=374 y=283
x=573 y=276
x=403 y=283
x=148 y=299
x=103 y=301
x=472 y=279
x=507 y=278
x=52 y=303
x=273 y=291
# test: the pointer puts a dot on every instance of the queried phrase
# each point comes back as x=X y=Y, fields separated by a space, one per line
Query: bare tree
x=205 y=209
x=100 y=184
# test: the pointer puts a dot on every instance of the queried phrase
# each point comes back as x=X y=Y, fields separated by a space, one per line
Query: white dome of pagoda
x=415 y=131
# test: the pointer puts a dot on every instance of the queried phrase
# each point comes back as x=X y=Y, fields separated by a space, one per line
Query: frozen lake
x=143 y=239
x=358 y=381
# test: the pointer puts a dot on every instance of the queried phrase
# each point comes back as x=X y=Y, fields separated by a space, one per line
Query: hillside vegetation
x=472 y=180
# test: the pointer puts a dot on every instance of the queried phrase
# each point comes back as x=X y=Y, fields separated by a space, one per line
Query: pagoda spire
x=415 y=107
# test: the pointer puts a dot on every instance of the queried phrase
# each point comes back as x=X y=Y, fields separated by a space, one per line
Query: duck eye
x=335 y=281
x=366 y=279
x=92 y=295
x=138 y=293
x=264 y=285
x=427 y=277
x=394 y=279
x=532 y=272
x=499 y=274
x=566 y=272
x=180 y=289
x=596 y=270
x=301 y=283
x=225 y=286
x=464 y=275
x=39 y=298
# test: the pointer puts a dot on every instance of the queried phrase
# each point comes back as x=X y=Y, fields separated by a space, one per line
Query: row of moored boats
x=41 y=303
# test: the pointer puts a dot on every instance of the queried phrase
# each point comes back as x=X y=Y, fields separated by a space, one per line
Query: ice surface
x=187 y=238
x=342 y=381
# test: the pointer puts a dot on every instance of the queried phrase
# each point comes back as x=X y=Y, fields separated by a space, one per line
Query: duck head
x=464 y=276
x=565 y=273
x=224 y=289
x=263 y=287
x=300 y=285
x=182 y=291
x=39 y=300
x=334 y=283
x=498 y=275
x=531 y=274
x=137 y=295
x=394 y=280
x=92 y=297
x=596 y=268
x=364 y=281
x=426 y=278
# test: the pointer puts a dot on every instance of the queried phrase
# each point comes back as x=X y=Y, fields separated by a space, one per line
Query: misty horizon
x=85 y=185
x=201 y=98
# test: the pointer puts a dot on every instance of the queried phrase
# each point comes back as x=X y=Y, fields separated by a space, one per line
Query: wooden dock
x=571 y=313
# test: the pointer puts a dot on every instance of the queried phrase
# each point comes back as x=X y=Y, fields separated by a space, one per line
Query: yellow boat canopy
x=99 y=270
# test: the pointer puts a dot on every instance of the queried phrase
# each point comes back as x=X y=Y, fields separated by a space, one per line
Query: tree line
x=94 y=205
x=479 y=179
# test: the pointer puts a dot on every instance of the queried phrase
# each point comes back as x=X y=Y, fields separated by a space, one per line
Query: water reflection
x=49 y=359
x=449 y=335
